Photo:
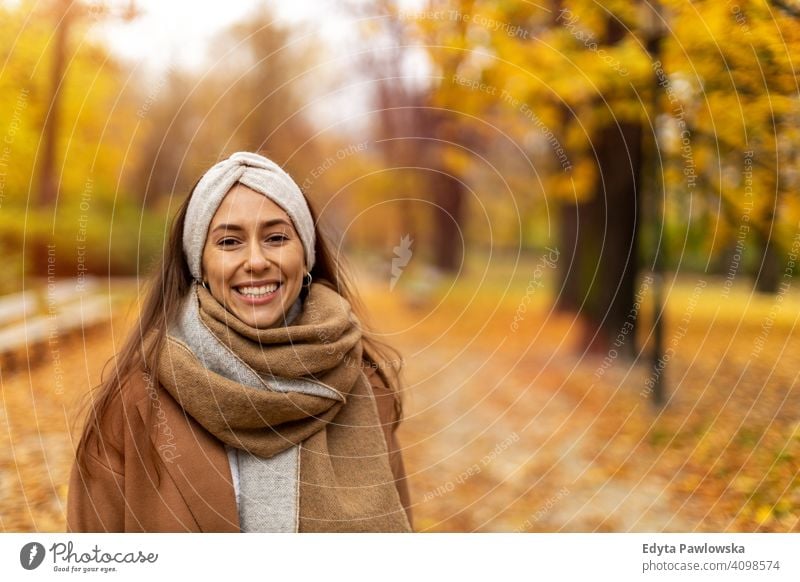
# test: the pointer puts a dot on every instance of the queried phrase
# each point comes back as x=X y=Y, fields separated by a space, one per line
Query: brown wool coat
x=194 y=492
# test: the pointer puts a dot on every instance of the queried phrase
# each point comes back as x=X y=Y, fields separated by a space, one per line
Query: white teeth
x=258 y=291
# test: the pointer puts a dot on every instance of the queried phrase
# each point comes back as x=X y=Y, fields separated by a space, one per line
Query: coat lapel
x=196 y=462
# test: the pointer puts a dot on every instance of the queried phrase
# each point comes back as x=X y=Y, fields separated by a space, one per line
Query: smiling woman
x=250 y=396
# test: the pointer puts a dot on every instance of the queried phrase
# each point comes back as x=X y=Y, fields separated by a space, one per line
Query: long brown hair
x=166 y=287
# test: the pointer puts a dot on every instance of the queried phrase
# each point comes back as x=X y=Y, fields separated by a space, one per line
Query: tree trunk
x=448 y=196
x=48 y=189
x=598 y=240
x=768 y=268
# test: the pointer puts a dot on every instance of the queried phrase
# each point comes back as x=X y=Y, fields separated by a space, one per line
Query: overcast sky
x=177 y=31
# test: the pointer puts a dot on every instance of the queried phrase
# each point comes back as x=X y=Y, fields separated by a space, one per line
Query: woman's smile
x=257 y=293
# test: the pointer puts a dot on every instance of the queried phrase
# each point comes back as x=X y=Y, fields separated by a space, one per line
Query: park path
x=492 y=444
x=503 y=431
x=509 y=428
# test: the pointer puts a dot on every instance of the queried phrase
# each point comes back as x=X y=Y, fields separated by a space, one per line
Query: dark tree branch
x=790 y=7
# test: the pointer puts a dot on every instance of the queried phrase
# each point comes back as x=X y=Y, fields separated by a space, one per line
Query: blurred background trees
x=623 y=135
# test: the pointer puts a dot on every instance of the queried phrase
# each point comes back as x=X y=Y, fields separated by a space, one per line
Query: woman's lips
x=257 y=299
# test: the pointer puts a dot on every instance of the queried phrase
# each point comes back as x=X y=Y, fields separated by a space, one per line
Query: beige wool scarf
x=293 y=398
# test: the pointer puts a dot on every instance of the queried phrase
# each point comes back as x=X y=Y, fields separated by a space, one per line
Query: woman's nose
x=257 y=261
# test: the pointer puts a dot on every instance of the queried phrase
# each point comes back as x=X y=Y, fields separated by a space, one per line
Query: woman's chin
x=264 y=316
x=262 y=322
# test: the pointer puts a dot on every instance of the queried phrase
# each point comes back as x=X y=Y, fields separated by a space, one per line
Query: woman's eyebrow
x=265 y=224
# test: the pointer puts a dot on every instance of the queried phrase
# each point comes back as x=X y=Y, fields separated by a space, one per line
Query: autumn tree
x=67 y=120
x=580 y=85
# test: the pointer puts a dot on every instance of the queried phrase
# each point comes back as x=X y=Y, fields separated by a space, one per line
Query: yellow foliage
x=96 y=113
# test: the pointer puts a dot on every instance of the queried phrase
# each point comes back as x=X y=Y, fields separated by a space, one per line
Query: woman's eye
x=277 y=238
x=226 y=242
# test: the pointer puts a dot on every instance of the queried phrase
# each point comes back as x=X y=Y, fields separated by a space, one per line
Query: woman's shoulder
x=124 y=400
x=135 y=386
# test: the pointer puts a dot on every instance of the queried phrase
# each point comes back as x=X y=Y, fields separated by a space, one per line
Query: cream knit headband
x=256 y=172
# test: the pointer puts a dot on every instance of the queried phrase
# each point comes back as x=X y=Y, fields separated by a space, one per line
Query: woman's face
x=253 y=259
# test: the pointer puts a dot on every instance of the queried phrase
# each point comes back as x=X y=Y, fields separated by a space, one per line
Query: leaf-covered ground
x=512 y=430
x=40 y=409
